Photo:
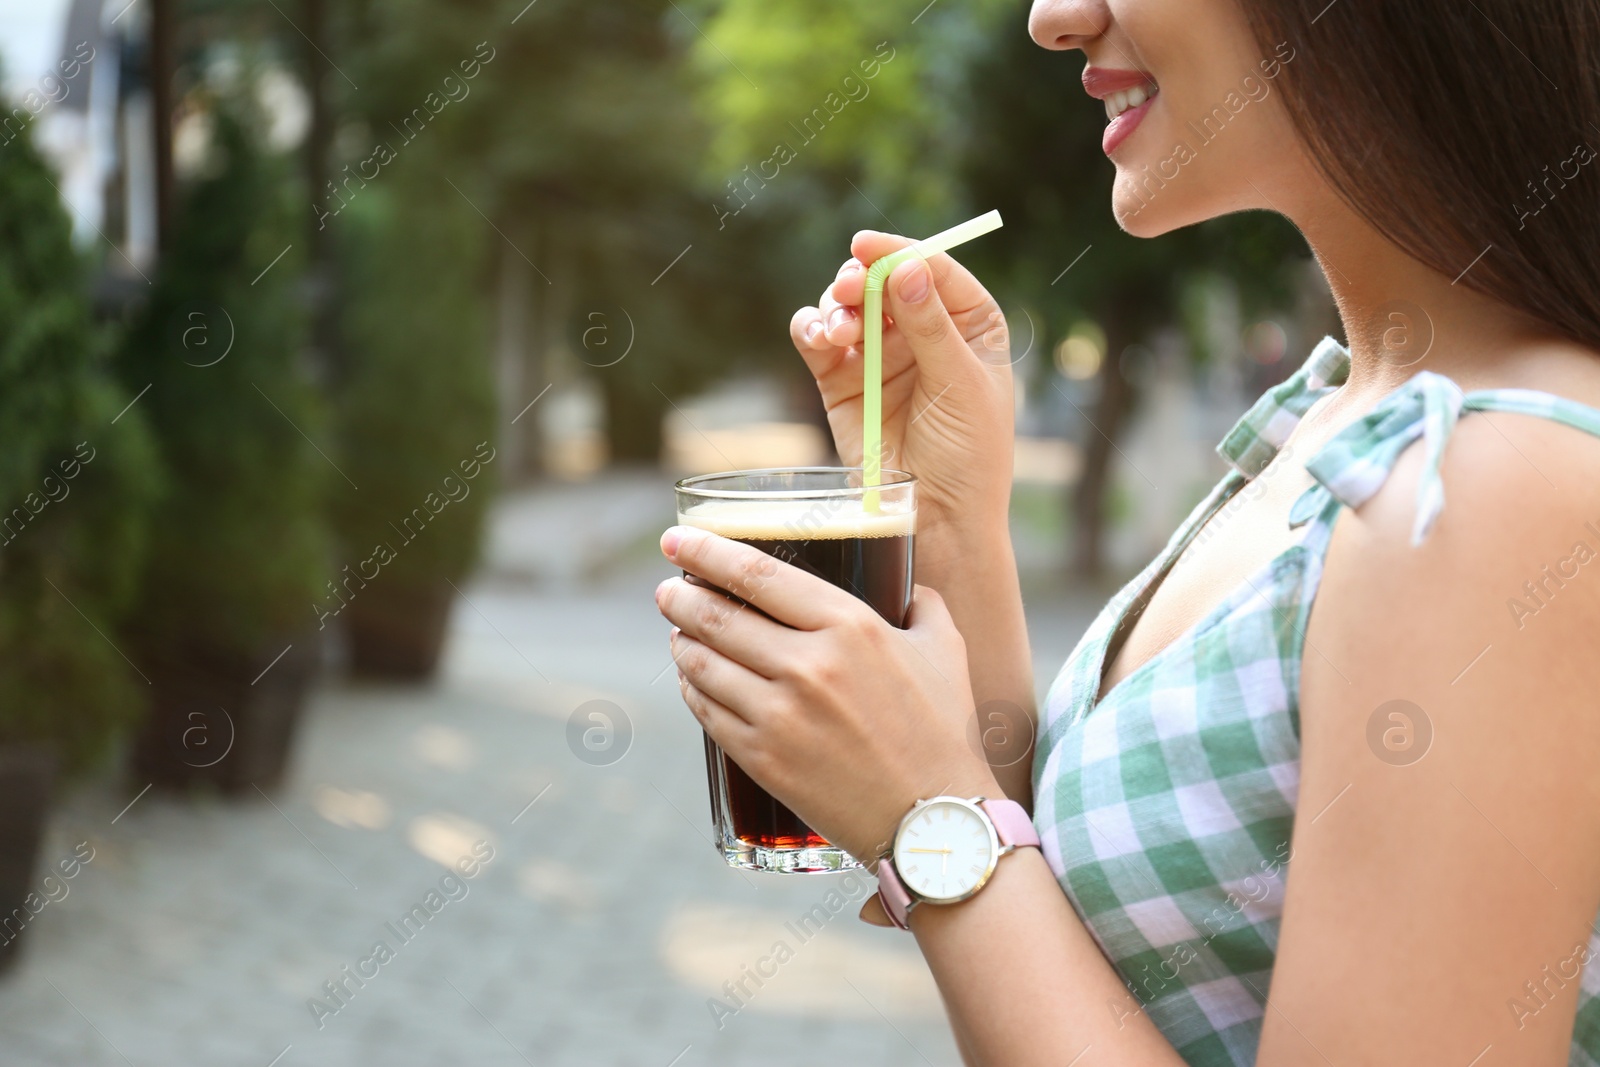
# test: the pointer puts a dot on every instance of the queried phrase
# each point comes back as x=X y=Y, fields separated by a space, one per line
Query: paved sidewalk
x=596 y=934
x=569 y=535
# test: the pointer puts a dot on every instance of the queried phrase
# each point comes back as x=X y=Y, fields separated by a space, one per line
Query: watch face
x=945 y=850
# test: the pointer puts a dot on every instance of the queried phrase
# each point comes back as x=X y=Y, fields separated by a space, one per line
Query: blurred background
x=348 y=352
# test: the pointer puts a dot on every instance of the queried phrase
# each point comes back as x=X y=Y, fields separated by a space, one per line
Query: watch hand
x=935 y=850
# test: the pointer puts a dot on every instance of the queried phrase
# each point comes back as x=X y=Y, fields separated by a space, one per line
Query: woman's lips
x=1121 y=128
x=1119 y=89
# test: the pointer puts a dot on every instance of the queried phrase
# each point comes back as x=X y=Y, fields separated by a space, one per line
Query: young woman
x=1322 y=785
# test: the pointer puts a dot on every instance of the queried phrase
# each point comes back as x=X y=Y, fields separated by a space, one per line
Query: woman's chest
x=1169 y=808
x=1186 y=772
x=1242 y=536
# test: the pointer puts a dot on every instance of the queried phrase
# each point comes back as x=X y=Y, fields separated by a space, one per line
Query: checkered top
x=1165 y=810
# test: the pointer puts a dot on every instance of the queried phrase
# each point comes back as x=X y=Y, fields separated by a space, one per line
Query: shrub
x=241 y=540
x=419 y=399
x=77 y=474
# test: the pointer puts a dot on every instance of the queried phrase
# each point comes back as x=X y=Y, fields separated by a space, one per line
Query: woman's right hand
x=947 y=399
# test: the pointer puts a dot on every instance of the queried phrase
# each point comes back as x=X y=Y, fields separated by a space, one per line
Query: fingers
x=850 y=283
x=733 y=686
x=840 y=304
x=788 y=594
x=836 y=320
x=841 y=322
x=714 y=717
x=728 y=626
x=820 y=327
x=806 y=331
x=960 y=291
x=913 y=296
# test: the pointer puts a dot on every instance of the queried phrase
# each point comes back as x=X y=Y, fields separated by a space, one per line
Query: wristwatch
x=946 y=850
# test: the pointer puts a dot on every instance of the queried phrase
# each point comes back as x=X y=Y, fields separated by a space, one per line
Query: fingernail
x=839 y=317
x=670 y=541
x=814 y=331
x=914 y=286
x=849 y=268
x=673 y=636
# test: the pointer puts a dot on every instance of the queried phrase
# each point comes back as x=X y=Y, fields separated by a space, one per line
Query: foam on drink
x=789 y=520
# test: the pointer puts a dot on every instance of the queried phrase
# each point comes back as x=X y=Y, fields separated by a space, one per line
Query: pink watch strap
x=892 y=894
x=1013 y=827
x=1011 y=823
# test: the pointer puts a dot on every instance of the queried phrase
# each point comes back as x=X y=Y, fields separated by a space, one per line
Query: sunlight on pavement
x=494 y=679
x=707 y=947
x=351 y=809
x=553 y=882
x=445 y=838
x=444 y=747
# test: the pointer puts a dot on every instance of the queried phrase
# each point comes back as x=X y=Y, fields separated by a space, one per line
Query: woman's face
x=1195 y=121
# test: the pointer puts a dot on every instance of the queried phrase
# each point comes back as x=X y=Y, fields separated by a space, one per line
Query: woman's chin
x=1144 y=209
x=1138 y=217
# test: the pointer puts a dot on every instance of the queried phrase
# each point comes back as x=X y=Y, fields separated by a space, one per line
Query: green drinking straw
x=872 y=339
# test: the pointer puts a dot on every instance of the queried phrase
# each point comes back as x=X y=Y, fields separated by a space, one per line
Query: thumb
x=928 y=610
x=932 y=629
x=911 y=296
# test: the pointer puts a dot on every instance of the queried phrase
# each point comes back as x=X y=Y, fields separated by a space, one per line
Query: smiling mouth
x=1128 y=99
x=1127 y=95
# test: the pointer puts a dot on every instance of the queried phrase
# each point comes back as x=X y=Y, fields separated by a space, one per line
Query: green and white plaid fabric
x=1166 y=809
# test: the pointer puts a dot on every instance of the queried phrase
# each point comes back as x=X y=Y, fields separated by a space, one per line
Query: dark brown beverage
x=876 y=569
x=867 y=553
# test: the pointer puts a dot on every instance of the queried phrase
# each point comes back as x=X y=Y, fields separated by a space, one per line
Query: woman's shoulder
x=1519 y=476
x=1498 y=607
x=1560 y=368
x=1527 y=438
x=1448 y=722
x=1523 y=462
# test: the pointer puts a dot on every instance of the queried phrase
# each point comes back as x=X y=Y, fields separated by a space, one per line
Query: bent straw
x=872 y=339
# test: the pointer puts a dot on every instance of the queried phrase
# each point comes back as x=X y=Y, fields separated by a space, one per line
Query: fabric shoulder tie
x=1354 y=464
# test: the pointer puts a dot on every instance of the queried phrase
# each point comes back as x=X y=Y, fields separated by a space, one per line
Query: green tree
x=242 y=543
x=415 y=412
x=828 y=118
x=76 y=477
x=969 y=115
x=578 y=140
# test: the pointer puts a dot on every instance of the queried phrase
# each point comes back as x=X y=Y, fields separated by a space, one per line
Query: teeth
x=1121 y=101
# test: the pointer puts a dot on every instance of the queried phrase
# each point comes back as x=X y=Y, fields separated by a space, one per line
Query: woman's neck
x=1401 y=317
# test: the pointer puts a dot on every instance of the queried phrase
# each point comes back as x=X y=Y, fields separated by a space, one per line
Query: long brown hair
x=1460 y=130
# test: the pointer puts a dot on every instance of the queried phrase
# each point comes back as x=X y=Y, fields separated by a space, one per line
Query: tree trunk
x=516 y=311
x=322 y=275
x=1091 y=494
x=633 y=420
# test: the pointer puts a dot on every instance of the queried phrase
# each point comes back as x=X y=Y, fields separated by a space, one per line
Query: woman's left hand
x=841 y=716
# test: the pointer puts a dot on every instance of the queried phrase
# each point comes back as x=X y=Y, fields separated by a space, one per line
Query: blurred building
x=93 y=115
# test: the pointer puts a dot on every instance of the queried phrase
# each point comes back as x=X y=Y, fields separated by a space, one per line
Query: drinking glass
x=857 y=537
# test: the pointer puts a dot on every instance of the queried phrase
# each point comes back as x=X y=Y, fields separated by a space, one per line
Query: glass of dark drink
x=822 y=520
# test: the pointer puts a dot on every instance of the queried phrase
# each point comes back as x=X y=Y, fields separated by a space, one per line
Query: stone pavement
x=596 y=934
